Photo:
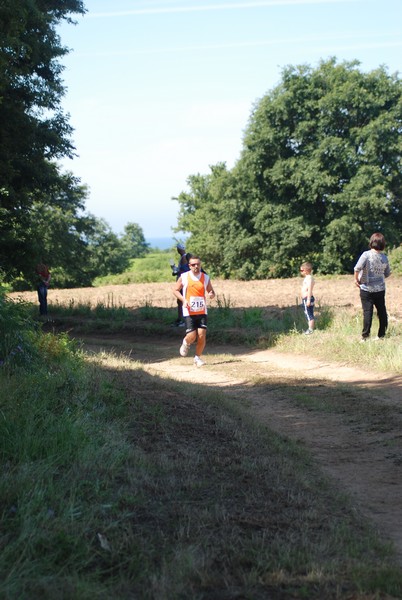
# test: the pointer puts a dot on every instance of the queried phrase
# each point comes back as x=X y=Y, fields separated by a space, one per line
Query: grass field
x=127 y=473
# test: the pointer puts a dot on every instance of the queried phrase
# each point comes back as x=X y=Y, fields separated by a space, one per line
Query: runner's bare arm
x=177 y=292
x=210 y=290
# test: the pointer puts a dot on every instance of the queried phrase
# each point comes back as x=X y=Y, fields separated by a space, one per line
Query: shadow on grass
x=193 y=497
x=253 y=326
x=263 y=520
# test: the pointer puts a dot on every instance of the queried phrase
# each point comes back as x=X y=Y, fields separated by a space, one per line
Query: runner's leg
x=201 y=341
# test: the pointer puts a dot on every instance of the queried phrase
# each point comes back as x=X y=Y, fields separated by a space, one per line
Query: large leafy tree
x=319 y=172
x=34 y=130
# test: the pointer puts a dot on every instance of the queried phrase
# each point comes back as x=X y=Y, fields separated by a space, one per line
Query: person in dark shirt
x=44 y=277
x=182 y=268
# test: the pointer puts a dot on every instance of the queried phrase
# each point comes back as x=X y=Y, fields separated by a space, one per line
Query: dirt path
x=348 y=419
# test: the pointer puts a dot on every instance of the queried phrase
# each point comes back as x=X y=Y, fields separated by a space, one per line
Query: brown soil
x=339 y=292
x=350 y=420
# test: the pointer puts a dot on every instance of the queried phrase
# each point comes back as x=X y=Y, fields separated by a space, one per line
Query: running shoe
x=184 y=348
x=198 y=361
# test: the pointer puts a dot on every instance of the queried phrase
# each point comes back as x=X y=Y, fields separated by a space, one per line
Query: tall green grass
x=115 y=483
x=56 y=428
x=340 y=341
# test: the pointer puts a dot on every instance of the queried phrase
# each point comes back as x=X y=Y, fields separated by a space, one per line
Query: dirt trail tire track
x=362 y=454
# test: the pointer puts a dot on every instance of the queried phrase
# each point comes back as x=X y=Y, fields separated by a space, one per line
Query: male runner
x=191 y=288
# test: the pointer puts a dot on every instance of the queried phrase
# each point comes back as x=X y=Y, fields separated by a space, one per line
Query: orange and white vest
x=194 y=292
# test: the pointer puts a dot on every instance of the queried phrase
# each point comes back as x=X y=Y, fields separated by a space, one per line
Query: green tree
x=319 y=172
x=55 y=233
x=107 y=253
x=34 y=130
x=133 y=241
x=77 y=245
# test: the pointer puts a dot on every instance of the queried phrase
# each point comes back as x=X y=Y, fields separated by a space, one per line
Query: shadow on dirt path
x=348 y=419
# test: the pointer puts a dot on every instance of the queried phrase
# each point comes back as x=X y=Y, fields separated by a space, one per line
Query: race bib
x=197 y=304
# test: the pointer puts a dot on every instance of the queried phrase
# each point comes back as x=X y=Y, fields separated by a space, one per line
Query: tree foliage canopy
x=133 y=241
x=320 y=171
x=34 y=131
x=42 y=210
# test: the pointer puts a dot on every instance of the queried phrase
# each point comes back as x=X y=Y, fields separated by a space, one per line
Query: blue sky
x=158 y=90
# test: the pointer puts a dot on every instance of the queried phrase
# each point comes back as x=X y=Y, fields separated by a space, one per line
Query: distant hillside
x=154 y=267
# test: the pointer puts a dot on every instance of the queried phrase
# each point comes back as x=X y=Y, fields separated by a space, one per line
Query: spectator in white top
x=370 y=272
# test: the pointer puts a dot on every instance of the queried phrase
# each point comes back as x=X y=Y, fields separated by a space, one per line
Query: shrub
x=395 y=259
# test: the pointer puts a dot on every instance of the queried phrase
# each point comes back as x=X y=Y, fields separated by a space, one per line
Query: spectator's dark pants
x=369 y=300
x=42 y=296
